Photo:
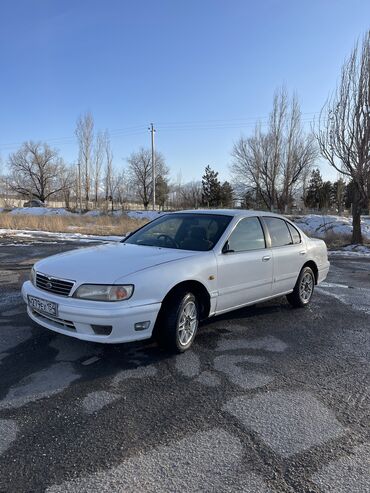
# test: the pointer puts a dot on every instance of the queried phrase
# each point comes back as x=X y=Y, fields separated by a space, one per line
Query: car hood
x=107 y=263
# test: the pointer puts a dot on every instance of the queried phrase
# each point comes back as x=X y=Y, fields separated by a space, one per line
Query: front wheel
x=303 y=290
x=179 y=322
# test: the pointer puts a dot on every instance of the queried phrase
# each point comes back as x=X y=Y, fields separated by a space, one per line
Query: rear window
x=296 y=237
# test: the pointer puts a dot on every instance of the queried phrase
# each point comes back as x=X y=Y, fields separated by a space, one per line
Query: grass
x=336 y=240
x=102 y=225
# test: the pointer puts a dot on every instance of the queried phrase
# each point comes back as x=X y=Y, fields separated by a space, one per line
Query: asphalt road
x=270 y=399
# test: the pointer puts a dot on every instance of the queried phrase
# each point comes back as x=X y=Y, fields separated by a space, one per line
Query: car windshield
x=199 y=232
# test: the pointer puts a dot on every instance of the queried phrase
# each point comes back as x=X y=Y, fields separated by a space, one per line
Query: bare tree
x=108 y=157
x=343 y=130
x=35 y=171
x=85 y=137
x=140 y=173
x=272 y=164
x=67 y=179
x=278 y=117
x=117 y=187
x=6 y=191
x=98 y=158
x=251 y=167
x=299 y=152
x=191 y=194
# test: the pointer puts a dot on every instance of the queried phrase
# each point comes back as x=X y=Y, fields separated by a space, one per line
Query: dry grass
x=103 y=225
x=336 y=240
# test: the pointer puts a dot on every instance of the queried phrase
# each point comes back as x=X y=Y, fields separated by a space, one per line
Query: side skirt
x=254 y=302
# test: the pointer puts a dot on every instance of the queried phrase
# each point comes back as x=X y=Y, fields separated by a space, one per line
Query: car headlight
x=104 y=292
x=33 y=276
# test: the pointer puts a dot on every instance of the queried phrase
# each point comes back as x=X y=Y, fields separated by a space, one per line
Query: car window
x=279 y=232
x=247 y=235
x=185 y=231
x=169 y=227
x=296 y=237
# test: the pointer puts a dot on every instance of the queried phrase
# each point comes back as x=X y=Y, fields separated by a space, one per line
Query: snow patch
x=352 y=251
x=320 y=225
x=144 y=214
x=23 y=233
x=40 y=211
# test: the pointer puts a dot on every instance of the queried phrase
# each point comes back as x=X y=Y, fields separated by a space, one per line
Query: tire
x=303 y=289
x=178 y=323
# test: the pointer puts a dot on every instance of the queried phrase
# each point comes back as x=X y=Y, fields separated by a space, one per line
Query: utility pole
x=152 y=131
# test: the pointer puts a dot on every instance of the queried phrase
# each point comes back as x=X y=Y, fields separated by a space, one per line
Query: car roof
x=230 y=212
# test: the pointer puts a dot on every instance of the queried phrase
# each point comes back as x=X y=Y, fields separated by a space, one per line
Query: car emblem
x=49 y=285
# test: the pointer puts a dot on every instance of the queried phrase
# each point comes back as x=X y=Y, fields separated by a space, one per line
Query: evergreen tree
x=211 y=188
x=226 y=195
x=249 y=200
x=339 y=190
x=313 y=197
x=326 y=195
x=162 y=190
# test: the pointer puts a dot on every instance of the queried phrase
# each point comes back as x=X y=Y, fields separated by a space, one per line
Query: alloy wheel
x=188 y=323
x=306 y=287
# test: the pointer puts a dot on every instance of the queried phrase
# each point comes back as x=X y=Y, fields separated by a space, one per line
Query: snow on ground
x=40 y=211
x=132 y=214
x=352 y=251
x=320 y=225
x=144 y=214
x=94 y=213
x=40 y=235
x=48 y=211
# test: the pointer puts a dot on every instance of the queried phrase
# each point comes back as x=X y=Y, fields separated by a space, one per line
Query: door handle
x=266 y=258
x=302 y=252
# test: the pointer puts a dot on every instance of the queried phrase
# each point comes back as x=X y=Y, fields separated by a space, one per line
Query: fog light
x=142 y=325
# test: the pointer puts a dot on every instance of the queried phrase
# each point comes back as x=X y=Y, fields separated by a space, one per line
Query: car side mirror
x=226 y=248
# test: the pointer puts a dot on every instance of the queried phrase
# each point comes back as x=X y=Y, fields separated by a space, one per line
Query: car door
x=288 y=252
x=244 y=266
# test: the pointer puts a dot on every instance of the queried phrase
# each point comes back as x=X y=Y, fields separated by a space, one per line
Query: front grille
x=53 y=285
x=66 y=324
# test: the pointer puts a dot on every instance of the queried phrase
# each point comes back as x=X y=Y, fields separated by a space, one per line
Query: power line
x=242 y=119
x=140 y=129
x=220 y=126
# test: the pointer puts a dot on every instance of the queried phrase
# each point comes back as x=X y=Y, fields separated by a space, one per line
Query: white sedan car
x=165 y=277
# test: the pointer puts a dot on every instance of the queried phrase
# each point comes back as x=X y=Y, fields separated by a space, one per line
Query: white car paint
x=232 y=280
x=243 y=278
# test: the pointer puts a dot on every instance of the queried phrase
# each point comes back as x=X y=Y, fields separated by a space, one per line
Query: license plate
x=43 y=306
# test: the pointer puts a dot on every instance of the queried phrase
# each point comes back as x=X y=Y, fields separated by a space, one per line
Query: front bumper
x=76 y=317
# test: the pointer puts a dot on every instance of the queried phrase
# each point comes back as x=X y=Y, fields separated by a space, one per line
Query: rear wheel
x=303 y=290
x=178 y=323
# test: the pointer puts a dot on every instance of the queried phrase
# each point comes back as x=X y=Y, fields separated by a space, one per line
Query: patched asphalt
x=269 y=399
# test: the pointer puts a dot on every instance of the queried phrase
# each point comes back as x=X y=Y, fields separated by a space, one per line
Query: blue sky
x=202 y=70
